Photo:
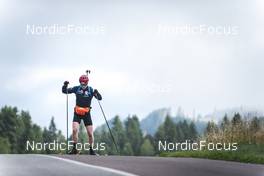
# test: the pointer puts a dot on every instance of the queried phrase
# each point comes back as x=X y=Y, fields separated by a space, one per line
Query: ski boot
x=92 y=152
x=74 y=151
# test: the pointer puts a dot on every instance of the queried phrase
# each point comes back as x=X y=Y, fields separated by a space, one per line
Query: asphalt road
x=78 y=165
x=44 y=165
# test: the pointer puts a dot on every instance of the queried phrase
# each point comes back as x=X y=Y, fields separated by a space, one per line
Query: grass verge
x=245 y=154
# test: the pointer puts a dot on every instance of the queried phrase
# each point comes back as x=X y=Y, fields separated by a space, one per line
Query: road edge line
x=91 y=166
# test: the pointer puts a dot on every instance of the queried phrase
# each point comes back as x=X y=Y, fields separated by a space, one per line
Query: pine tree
x=169 y=129
x=134 y=133
x=52 y=130
x=128 y=149
x=146 y=148
x=254 y=127
x=185 y=130
x=193 y=132
x=237 y=129
x=46 y=138
x=50 y=135
x=26 y=132
x=104 y=137
x=211 y=132
x=37 y=135
x=8 y=126
x=119 y=133
x=225 y=127
x=5 y=146
x=159 y=136
x=179 y=132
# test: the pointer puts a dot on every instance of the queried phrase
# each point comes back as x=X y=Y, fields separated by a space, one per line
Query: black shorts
x=86 y=119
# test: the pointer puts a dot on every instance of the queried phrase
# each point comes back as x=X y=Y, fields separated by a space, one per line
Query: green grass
x=245 y=153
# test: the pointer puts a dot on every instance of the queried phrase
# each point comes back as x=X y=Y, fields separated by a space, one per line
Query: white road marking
x=92 y=166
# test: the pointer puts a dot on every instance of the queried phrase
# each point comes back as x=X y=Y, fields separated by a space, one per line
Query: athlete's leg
x=75 y=129
x=89 y=129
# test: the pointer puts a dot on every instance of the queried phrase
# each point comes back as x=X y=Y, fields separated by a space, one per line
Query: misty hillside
x=152 y=121
x=248 y=112
x=104 y=127
x=150 y=124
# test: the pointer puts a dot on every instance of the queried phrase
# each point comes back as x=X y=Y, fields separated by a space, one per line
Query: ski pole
x=67 y=113
x=87 y=73
x=108 y=126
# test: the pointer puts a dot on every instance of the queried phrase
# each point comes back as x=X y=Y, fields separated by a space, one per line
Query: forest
x=16 y=128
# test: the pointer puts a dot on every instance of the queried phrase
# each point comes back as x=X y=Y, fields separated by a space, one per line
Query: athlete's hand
x=95 y=91
x=66 y=83
x=97 y=95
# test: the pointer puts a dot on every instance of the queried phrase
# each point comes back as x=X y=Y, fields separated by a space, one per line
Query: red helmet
x=83 y=79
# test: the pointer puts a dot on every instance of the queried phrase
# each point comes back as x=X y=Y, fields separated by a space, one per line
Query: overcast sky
x=139 y=60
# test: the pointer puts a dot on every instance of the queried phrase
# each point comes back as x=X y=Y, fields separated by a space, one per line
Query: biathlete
x=84 y=95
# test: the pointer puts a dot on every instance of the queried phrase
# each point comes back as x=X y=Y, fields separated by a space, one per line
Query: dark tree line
x=16 y=128
x=128 y=136
x=131 y=140
x=175 y=132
